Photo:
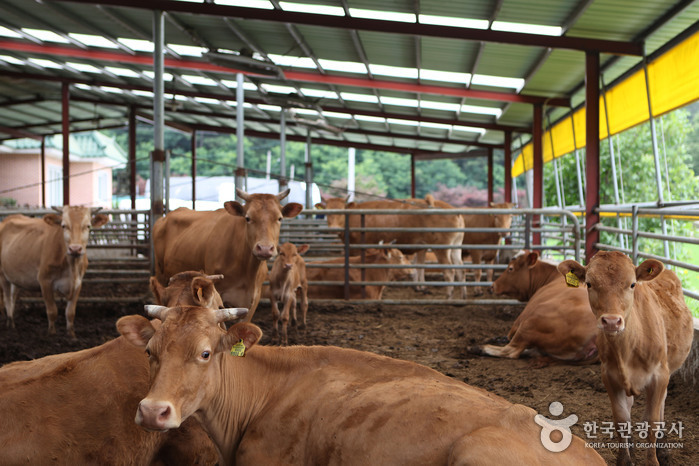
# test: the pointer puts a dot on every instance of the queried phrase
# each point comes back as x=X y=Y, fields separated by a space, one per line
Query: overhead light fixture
x=243 y=61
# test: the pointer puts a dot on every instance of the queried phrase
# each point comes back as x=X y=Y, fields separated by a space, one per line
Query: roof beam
x=146 y=60
x=349 y=111
x=344 y=22
x=18 y=133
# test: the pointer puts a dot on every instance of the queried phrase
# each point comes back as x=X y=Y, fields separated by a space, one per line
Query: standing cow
x=326 y=405
x=48 y=254
x=235 y=241
x=287 y=279
x=645 y=333
x=431 y=234
x=557 y=320
x=77 y=408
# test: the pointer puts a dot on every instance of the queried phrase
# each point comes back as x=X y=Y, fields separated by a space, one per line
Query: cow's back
x=26 y=245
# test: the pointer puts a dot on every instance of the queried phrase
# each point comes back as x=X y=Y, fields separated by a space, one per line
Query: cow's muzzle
x=157 y=415
x=264 y=251
x=611 y=324
x=75 y=250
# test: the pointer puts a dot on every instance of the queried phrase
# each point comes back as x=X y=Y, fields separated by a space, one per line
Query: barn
x=526 y=87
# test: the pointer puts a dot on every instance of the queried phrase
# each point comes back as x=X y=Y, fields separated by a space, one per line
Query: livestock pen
x=434 y=331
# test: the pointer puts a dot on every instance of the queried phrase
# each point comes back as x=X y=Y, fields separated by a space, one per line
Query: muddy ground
x=436 y=336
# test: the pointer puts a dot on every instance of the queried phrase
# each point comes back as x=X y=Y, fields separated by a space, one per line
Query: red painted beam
x=508 y=166
x=538 y=156
x=147 y=60
x=592 y=195
x=65 y=129
x=490 y=176
x=413 y=29
x=19 y=133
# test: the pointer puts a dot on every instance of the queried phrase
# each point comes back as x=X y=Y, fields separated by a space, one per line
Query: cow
x=287 y=279
x=447 y=257
x=235 y=241
x=325 y=405
x=77 y=408
x=372 y=257
x=47 y=254
x=487 y=256
x=645 y=334
x=557 y=322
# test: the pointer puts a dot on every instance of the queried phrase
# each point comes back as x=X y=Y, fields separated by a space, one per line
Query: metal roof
x=355 y=77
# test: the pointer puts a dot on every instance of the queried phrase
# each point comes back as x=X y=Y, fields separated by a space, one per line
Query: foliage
x=8 y=202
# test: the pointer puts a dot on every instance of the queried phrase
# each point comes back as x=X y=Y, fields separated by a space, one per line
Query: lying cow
x=373 y=257
x=557 y=321
x=47 y=254
x=77 y=408
x=430 y=223
x=645 y=333
x=325 y=405
x=235 y=241
x=287 y=279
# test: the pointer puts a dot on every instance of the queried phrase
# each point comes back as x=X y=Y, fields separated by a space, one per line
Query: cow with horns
x=235 y=241
x=48 y=254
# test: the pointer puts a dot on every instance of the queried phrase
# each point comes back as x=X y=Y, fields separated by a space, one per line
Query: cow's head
x=503 y=220
x=336 y=220
x=263 y=215
x=289 y=255
x=184 y=355
x=515 y=280
x=393 y=257
x=611 y=279
x=188 y=289
x=76 y=223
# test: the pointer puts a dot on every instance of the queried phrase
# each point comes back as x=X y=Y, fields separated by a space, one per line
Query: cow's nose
x=612 y=323
x=288 y=266
x=264 y=251
x=75 y=249
x=154 y=415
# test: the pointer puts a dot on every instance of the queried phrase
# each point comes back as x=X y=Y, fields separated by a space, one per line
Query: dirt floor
x=436 y=336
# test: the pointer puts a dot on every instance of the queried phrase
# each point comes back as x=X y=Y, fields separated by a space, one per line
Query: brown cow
x=77 y=408
x=373 y=257
x=287 y=279
x=645 y=333
x=235 y=241
x=47 y=254
x=325 y=405
x=557 y=321
x=448 y=257
x=487 y=256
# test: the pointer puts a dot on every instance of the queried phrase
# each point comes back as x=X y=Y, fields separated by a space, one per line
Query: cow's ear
x=137 y=330
x=292 y=209
x=320 y=205
x=203 y=291
x=234 y=208
x=246 y=332
x=648 y=270
x=53 y=219
x=99 y=220
x=532 y=258
x=351 y=205
x=302 y=249
x=158 y=291
x=572 y=267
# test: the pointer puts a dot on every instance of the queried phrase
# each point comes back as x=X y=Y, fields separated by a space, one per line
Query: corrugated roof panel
x=389 y=49
x=447 y=54
x=619 y=19
x=471 y=9
x=539 y=12
x=506 y=60
x=560 y=73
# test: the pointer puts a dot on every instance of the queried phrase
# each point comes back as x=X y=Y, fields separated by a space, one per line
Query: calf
x=287 y=279
x=324 y=405
x=557 y=321
x=645 y=332
x=47 y=254
x=77 y=408
x=373 y=257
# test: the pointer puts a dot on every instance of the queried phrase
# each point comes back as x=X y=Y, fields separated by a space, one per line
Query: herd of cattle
x=203 y=392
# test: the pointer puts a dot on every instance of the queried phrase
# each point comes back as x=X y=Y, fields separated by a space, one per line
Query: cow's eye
x=205 y=355
x=280 y=219
x=148 y=352
x=633 y=285
x=510 y=269
x=588 y=284
x=248 y=219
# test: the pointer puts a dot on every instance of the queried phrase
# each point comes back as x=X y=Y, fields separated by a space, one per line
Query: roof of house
x=86 y=145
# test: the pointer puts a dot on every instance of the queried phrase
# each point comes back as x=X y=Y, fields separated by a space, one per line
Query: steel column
x=240 y=134
x=158 y=155
x=412 y=175
x=490 y=176
x=194 y=169
x=65 y=127
x=43 y=171
x=592 y=194
x=283 y=183
x=538 y=162
x=508 y=166
x=308 y=175
x=132 y=156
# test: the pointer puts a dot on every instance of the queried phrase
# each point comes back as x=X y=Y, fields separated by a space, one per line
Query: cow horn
x=57 y=209
x=233 y=313
x=242 y=194
x=159 y=312
x=283 y=194
x=94 y=210
x=215 y=277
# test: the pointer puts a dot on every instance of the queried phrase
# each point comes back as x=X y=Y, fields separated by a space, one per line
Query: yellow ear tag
x=650 y=270
x=200 y=294
x=572 y=280
x=238 y=349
